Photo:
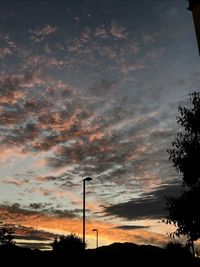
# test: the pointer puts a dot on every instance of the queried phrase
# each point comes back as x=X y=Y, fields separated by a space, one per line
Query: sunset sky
x=91 y=88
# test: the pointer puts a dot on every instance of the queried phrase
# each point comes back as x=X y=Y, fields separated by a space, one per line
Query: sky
x=92 y=88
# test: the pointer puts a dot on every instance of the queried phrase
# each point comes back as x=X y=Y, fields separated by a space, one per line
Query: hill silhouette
x=144 y=255
x=116 y=254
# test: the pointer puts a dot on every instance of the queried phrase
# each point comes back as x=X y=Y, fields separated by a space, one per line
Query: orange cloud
x=13 y=98
x=95 y=136
x=17 y=182
x=11 y=152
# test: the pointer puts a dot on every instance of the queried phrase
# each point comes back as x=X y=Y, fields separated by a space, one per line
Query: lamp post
x=87 y=179
x=96 y=230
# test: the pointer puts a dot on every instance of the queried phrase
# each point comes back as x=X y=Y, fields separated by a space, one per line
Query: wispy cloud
x=118 y=31
x=101 y=32
x=40 y=33
x=131 y=227
x=17 y=182
x=4 y=52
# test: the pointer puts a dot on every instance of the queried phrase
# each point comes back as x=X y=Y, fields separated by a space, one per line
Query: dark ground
x=117 y=254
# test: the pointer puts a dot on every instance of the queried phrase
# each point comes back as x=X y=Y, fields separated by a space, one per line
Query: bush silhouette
x=69 y=244
x=178 y=252
x=6 y=236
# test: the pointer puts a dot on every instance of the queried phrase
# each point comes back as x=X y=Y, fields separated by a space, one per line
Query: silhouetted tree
x=6 y=236
x=178 y=254
x=177 y=249
x=186 y=147
x=68 y=244
x=185 y=155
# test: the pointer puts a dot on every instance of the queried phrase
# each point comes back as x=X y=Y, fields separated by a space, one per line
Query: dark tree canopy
x=185 y=153
x=6 y=236
x=68 y=244
x=183 y=211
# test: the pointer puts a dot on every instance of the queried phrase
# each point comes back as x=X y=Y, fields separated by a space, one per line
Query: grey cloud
x=9 y=86
x=34 y=105
x=131 y=227
x=103 y=88
x=162 y=134
x=35 y=245
x=29 y=233
x=66 y=213
x=12 y=87
x=11 y=117
x=115 y=146
x=16 y=107
x=150 y=205
x=36 y=206
x=10 y=211
x=22 y=135
x=64 y=180
x=39 y=239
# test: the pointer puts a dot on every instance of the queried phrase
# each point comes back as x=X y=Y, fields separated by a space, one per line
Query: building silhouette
x=194 y=6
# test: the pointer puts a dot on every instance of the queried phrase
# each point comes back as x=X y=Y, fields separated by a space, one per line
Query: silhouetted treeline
x=117 y=254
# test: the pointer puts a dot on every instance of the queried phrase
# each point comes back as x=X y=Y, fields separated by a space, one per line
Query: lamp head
x=94 y=230
x=87 y=179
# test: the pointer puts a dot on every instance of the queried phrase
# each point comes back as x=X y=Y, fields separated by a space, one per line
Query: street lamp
x=96 y=230
x=87 y=179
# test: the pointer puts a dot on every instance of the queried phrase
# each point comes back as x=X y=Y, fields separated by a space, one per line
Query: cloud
x=36 y=206
x=104 y=87
x=108 y=52
x=8 y=153
x=22 y=135
x=16 y=181
x=118 y=31
x=131 y=227
x=85 y=35
x=32 y=238
x=111 y=147
x=24 y=109
x=40 y=33
x=10 y=91
x=97 y=130
x=5 y=51
x=148 y=38
x=37 y=209
x=149 y=205
x=41 y=245
x=101 y=32
x=66 y=213
x=127 y=68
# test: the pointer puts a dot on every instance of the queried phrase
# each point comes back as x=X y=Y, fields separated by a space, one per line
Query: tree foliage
x=185 y=151
x=183 y=211
x=6 y=236
x=68 y=244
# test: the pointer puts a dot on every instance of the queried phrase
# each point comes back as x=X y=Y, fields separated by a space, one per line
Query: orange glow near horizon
x=108 y=232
